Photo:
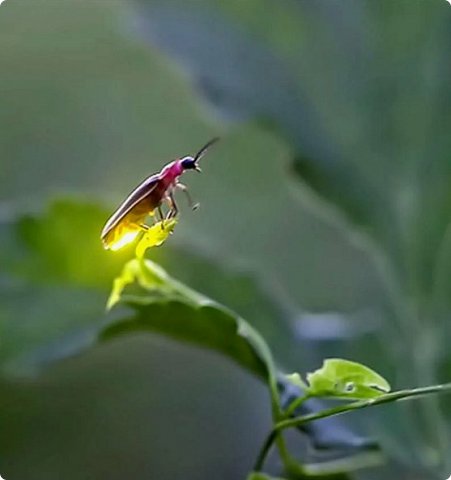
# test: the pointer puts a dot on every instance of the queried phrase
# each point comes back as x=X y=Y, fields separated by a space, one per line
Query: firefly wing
x=139 y=193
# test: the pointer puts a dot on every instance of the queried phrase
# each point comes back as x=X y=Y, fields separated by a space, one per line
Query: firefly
x=128 y=221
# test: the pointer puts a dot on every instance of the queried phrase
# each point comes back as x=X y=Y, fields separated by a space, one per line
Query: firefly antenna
x=204 y=149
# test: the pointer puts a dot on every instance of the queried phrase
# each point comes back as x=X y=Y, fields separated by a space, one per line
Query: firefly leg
x=184 y=189
x=173 y=209
x=161 y=215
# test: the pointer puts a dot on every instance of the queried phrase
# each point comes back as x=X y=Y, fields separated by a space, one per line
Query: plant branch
x=263 y=453
x=388 y=398
x=295 y=404
x=331 y=412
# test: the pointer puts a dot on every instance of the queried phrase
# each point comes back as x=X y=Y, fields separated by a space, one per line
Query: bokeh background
x=324 y=221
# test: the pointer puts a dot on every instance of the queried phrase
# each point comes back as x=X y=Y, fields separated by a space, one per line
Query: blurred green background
x=324 y=221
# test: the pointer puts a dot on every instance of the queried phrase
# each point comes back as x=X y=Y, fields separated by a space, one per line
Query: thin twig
x=332 y=412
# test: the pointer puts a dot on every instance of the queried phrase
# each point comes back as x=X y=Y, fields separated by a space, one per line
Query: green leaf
x=345 y=379
x=166 y=306
x=155 y=236
x=151 y=277
x=40 y=324
x=62 y=244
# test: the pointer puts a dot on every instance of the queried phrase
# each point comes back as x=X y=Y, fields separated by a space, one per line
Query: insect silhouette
x=147 y=198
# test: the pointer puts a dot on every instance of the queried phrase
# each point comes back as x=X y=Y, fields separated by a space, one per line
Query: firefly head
x=191 y=163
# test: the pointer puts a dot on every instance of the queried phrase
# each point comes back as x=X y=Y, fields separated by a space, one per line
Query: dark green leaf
x=169 y=307
x=40 y=324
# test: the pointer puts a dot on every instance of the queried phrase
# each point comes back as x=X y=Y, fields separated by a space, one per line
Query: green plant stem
x=263 y=453
x=295 y=404
x=287 y=460
x=331 y=412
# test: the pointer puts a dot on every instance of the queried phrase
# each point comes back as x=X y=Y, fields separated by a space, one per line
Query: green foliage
x=99 y=119
x=56 y=240
x=371 y=175
x=40 y=324
x=55 y=277
x=155 y=303
x=169 y=307
x=155 y=236
x=344 y=379
x=370 y=155
x=351 y=101
x=57 y=255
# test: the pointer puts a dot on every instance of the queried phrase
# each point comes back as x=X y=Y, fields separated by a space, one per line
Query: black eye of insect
x=189 y=163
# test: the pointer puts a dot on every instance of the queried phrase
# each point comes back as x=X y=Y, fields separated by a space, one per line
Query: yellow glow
x=128 y=237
